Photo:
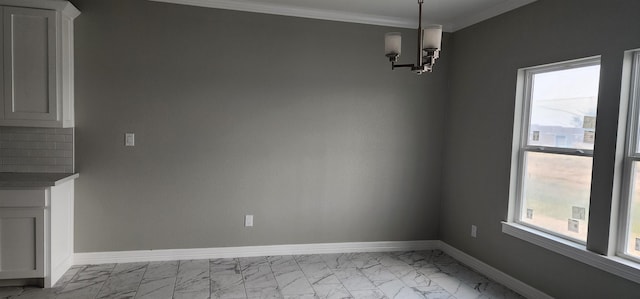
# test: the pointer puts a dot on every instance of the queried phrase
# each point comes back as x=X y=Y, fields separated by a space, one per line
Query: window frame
x=631 y=155
x=609 y=261
x=525 y=99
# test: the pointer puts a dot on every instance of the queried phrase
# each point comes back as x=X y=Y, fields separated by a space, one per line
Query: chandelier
x=429 y=42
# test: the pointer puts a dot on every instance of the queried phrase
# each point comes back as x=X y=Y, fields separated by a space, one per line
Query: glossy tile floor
x=419 y=274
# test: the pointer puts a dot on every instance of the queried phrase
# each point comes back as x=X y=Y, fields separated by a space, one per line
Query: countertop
x=16 y=179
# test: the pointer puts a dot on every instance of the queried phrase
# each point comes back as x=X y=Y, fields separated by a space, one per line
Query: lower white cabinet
x=36 y=233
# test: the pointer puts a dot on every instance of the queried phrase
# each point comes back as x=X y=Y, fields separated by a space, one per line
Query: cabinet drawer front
x=21 y=243
x=30 y=64
x=23 y=198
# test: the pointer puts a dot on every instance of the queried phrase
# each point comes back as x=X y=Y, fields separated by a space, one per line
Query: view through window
x=557 y=147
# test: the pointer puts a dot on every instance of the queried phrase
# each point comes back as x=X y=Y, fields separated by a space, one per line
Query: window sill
x=615 y=265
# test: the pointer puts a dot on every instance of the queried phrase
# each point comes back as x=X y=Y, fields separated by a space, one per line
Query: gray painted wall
x=479 y=133
x=299 y=122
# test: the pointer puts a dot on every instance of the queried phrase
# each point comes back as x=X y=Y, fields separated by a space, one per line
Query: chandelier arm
x=393 y=66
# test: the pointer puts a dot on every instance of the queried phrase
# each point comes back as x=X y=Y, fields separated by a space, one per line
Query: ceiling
x=452 y=14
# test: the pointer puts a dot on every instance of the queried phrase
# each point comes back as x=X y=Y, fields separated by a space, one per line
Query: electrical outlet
x=637 y=244
x=248 y=220
x=474 y=231
x=129 y=139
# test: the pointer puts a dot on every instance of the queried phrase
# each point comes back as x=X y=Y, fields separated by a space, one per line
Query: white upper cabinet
x=37 y=63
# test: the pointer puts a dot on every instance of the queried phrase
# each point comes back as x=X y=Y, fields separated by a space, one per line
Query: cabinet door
x=30 y=78
x=21 y=243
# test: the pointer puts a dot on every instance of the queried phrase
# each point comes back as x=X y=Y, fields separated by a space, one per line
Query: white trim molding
x=318 y=248
x=341 y=16
x=486 y=14
x=493 y=273
x=61 y=5
x=248 y=251
x=295 y=11
x=612 y=264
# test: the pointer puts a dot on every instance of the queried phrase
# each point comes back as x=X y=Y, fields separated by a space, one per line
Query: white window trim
x=613 y=263
x=521 y=136
x=630 y=155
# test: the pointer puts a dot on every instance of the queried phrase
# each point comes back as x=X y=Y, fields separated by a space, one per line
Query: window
x=629 y=246
x=552 y=158
x=556 y=147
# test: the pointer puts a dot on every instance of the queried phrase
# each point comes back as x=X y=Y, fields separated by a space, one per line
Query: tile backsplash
x=36 y=149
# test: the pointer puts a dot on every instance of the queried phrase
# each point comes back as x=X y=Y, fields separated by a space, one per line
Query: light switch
x=248 y=220
x=129 y=139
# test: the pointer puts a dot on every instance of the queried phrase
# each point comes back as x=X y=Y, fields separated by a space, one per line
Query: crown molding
x=486 y=14
x=340 y=16
x=294 y=11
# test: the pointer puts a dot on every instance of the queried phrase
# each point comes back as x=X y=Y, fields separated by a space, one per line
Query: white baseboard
x=319 y=248
x=248 y=251
x=493 y=273
x=59 y=270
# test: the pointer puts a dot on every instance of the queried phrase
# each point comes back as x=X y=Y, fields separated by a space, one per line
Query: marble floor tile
x=156 y=288
x=401 y=275
x=94 y=273
x=10 y=291
x=259 y=276
x=456 y=287
x=191 y=265
x=225 y=266
x=37 y=293
x=494 y=290
x=308 y=259
x=410 y=276
x=227 y=286
x=81 y=289
x=252 y=262
x=378 y=273
x=293 y=283
x=363 y=260
x=387 y=259
x=264 y=293
x=433 y=292
x=338 y=260
x=368 y=294
x=331 y=291
x=304 y=296
x=354 y=280
x=317 y=271
x=413 y=258
x=192 y=280
x=322 y=278
x=67 y=276
x=161 y=270
x=283 y=264
x=123 y=282
x=188 y=294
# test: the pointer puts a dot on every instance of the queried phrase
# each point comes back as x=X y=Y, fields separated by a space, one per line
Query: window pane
x=563 y=108
x=633 y=233
x=556 y=193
